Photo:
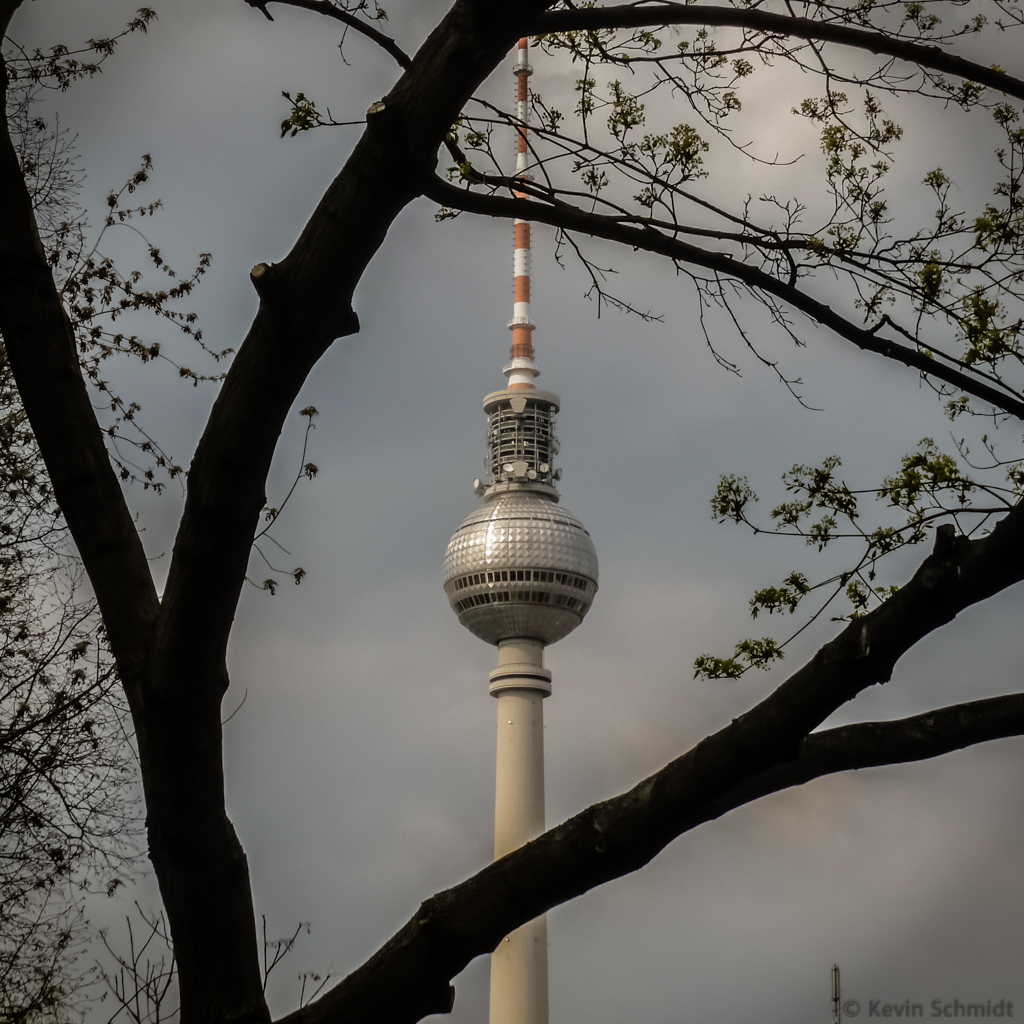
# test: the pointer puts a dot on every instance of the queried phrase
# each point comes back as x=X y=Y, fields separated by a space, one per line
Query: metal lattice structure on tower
x=521 y=573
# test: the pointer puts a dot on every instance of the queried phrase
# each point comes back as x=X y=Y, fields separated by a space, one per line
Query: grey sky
x=360 y=769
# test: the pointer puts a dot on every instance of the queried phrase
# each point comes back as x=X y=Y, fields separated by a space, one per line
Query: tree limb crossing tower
x=520 y=573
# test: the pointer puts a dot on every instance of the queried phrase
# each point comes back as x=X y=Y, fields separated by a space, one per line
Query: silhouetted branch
x=889 y=45
x=329 y=10
x=651 y=240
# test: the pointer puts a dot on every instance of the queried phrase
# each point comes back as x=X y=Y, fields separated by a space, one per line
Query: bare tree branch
x=623 y=16
x=872 y=744
x=618 y=229
x=329 y=10
x=43 y=357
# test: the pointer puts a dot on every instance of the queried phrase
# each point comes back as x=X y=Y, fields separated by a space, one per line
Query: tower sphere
x=521 y=567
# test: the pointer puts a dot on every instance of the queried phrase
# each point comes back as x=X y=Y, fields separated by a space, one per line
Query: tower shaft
x=519 y=976
x=519 y=966
x=520 y=682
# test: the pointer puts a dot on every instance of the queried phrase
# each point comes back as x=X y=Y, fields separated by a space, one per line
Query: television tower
x=520 y=573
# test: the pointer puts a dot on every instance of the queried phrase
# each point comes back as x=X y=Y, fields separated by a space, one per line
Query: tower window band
x=522 y=576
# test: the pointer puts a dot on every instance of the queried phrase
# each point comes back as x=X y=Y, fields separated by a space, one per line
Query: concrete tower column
x=519 y=966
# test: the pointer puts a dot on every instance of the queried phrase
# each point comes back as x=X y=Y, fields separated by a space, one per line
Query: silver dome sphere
x=521 y=567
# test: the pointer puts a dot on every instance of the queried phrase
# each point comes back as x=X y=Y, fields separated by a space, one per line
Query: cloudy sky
x=360 y=768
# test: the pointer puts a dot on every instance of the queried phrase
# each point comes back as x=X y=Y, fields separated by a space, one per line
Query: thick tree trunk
x=199 y=861
x=171 y=652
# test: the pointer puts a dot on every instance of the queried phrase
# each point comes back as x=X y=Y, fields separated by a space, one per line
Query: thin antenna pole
x=837 y=1013
x=522 y=370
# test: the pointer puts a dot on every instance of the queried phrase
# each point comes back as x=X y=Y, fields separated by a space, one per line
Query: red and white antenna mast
x=522 y=370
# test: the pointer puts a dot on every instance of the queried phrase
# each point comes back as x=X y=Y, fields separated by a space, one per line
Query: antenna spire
x=522 y=370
